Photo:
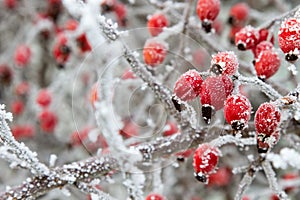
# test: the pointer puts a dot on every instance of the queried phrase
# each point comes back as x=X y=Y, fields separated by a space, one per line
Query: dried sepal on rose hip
x=156 y=23
x=213 y=93
x=188 y=85
x=267 y=120
x=225 y=63
x=238 y=14
x=205 y=160
x=289 y=38
x=207 y=11
x=154 y=52
x=246 y=38
x=237 y=111
x=267 y=64
x=155 y=196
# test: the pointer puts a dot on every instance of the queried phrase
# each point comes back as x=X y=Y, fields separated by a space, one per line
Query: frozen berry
x=205 y=161
x=220 y=178
x=17 y=107
x=154 y=52
x=213 y=93
x=121 y=12
x=188 y=85
x=48 y=120
x=264 y=36
x=155 y=197
x=6 y=74
x=232 y=32
x=170 y=129
x=83 y=43
x=238 y=14
x=156 y=23
x=267 y=64
x=262 y=46
x=44 y=98
x=225 y=63
x=61 y=50
x=246 y=38
x=267 y=118
x=22 y=55
x=208 y=11
x=289 y=38
x=217 y=26
x=22 y=131
x=237 y=111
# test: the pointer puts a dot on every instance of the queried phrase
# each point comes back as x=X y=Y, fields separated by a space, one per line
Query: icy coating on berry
x=226 y=61
x=267 y=64
x=205 y=159
x=208 y=9
x=267 y=118
x=187 y=87
x=156 y=23
x=154 y=52
x=215 y=90
x=289 y=35
x=246 y=38
x=237 y=110
x=262 y=46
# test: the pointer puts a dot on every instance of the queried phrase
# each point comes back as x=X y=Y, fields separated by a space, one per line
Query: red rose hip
x=267 y=64
x=225 y=63
x=207 y=11
x=156 y=23
x=154 y=52
x=246 y=38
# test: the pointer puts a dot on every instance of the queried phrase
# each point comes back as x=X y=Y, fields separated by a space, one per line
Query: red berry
x=130 y=129
x=77 y=137
x=128 y=74
x=83 y=43
x=22 y=131
x=225 y=63
x=200 y=58
x=289 y=38
x=237 y=111
x=246 y=38
x=188 y=85
x=154 y=52
x=205 y=161
x=239 y=14
x=213 y=93
x=10 y=4
x=48 y=120
x=22 y=55
x=184 y=154
x=217 y=25
x=208 y=10
x=289 y=177
x=61 y=50
x=264 y=36
x=267 y=118
x=22 y=88
x=156 y=23
x=155 y=197
x=121 y=12
x=233 y=31
x=267 y=64
x=6 y=74
x=17 y=107
x=71 y=25
x=44 y=98
x=220 y=178
x=170 y=129
x=262 y=46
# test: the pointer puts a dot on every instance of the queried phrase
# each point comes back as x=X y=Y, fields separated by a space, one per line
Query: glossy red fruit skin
x=44 y=98
x=22 y=55
x=208 y=9
x=17 y=107
x=155 y=197
x=267 y=119
x=262 y=46
x=188 y=85
x=156 y=23
x=48 y=121
x=215 y=90
x=154 y=52
x=246 y=38
x=237 y=111
x=225 y=63
x=205 y=159
x=267 y=64
x=239 y=14
x=289 y=35
x=170 y=129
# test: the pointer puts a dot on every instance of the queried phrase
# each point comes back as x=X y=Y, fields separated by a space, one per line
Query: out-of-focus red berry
x=217 y=25
x=17 y=107
x=121 y=12
x=10 y=4
x=83 y=43
x=130 y=129
x=48 y=120
x=220 y=178
x=154 y=52
x=23 y=131
x=22 y=88
x=44 y=98
x=71 y=25
x=156 y=23
x=22 y=55
x=128 y=74
x=238 y=14
x=232 y=32
x=78 y=137
x=188 y=85
x=61 y=50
